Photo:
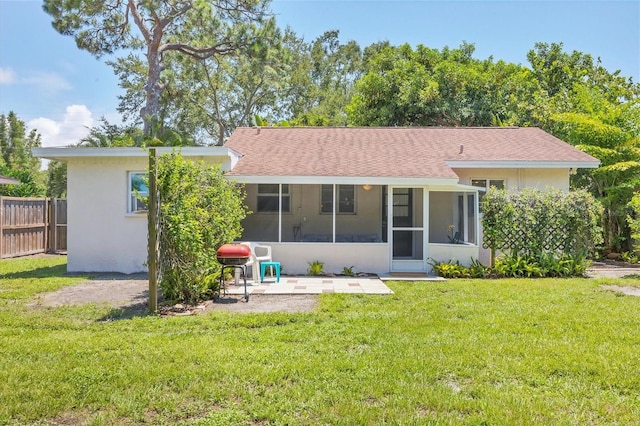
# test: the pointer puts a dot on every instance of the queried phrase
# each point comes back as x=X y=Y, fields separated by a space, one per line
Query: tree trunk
x=149 y=113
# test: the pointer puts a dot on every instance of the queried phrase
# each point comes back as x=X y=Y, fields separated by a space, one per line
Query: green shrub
x=315 y=268
x=516 y=266
x=347 y=271
x=199 y=211
x=533 y=222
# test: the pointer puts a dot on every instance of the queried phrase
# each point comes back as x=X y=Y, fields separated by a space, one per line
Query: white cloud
x=47 y=82
x=7 y=76
x=74 y=126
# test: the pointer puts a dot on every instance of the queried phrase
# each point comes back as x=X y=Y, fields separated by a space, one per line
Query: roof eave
x=457 y=164
x=346 y=180
x=66 y=153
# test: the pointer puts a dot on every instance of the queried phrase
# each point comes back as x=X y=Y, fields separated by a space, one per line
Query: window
x=137 y=188
x=346 y=199
x=488 y=183
x=268 y=195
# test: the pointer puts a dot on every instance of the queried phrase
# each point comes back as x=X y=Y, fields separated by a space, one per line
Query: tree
x=608 y=131
x=57 y=179
x=199 y=29
x=16 y=144
x=427 y=87
x=210 y=98
x=16 y=159
x=332 y=69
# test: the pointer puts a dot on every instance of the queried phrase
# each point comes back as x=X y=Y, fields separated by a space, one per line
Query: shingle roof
x=424 y=152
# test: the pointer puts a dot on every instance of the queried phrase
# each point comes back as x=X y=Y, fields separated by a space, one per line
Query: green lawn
x=460 y=352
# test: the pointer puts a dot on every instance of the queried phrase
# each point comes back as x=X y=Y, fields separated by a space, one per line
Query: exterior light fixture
x=366 y=187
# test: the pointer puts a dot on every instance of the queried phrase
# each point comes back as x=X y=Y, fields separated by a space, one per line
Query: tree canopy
x=16 y=160
x=198 y=29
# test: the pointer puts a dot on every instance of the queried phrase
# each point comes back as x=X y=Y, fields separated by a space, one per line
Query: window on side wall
x=137 y=188
x=345 y=196
x=268 y=195
x=486 y=184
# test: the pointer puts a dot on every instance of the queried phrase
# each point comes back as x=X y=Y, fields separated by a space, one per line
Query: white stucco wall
x=364 y=257
x=520 y=178
x=101 y=235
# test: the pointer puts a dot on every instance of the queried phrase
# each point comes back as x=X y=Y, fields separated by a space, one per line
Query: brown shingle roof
x=390 y=152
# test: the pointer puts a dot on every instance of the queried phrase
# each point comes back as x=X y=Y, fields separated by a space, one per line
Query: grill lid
x=233 y=254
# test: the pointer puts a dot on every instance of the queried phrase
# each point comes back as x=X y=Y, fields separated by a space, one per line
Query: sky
x=62 y=91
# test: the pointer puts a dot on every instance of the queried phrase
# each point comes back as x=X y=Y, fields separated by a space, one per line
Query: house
x=378 y=199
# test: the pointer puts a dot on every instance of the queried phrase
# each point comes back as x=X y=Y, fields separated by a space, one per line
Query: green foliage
x=633 y=218
x=200 y=210
x=29 y=185
x=531 y=223
x=16 y=159
x=347 y=271
x=544 y=265
x=516 y=266
x=162 y=29
x=449 y=269
x=454 y=269
x=629 y=257
x=57 y=179
x=316 y=268
x=427 y=87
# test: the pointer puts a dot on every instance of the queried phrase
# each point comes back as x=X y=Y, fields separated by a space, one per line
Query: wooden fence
x=32 y=225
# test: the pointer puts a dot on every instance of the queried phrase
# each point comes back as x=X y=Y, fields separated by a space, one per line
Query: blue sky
x=61 y=90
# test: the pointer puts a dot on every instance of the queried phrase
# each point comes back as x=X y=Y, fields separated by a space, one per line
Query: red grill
x=234 y=256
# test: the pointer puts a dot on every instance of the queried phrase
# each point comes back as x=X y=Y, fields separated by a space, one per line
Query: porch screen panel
x=407 y=207
x=262 y=224
x=364 y=225
x=471 y=219
x=313 y=224
x=407 y=245
x=443 y=222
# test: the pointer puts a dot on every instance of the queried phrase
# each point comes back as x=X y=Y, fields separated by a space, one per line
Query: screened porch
x=347 y=225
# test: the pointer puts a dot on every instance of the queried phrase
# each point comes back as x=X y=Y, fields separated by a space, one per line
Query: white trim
x=56 y=153
x=494 y=164
x=346 y=180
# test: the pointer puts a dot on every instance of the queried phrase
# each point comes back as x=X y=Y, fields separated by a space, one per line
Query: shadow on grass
x=43 y=272
x=138 y=306
x=126 y=312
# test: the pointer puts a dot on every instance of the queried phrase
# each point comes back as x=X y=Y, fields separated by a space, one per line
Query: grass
x=460 y=352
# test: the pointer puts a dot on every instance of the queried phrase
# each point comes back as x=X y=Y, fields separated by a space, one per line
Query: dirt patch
x=130 y=293
x=628 y=290
x=612 y=270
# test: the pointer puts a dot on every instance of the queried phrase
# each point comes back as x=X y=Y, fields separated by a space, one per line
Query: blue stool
x=274 y=265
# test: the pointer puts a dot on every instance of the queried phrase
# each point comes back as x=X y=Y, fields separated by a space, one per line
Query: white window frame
x=133 y=204
x=335 y=199
x=488 y=182
x=276 y=196
x=487 y=185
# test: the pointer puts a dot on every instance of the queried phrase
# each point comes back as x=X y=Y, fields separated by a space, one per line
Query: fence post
x=47 y=224
x=1 y=227
x=53 y=224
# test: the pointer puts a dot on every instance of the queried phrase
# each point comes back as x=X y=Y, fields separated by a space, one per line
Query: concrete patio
x=311 y=285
